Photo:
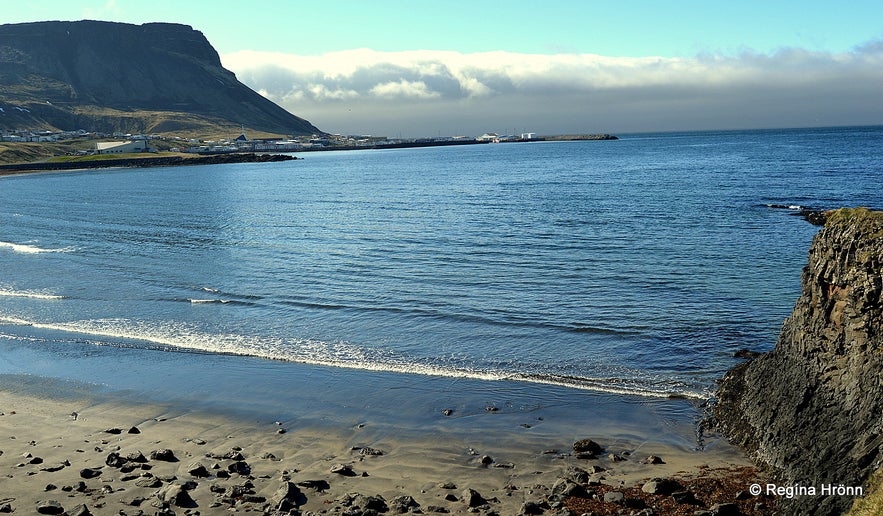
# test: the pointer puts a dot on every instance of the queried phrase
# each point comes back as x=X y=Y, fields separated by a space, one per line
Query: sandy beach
x=75 y=455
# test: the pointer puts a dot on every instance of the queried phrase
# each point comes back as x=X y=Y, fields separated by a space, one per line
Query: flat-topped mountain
x=104 y=76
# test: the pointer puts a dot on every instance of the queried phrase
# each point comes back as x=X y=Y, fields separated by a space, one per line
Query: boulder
x=587 y=446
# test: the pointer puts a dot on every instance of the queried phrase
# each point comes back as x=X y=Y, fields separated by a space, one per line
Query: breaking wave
x=181 y=337
x=32 y=249
x=28 y=294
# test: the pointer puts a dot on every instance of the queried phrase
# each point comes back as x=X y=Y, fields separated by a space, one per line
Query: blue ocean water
x=633 y=266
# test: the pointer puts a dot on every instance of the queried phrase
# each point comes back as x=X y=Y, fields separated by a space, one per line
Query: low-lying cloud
x=424 y=93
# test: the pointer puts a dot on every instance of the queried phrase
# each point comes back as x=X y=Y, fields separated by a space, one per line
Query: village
x=123 y=143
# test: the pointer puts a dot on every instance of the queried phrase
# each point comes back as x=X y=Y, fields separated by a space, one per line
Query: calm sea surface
x=635 y=266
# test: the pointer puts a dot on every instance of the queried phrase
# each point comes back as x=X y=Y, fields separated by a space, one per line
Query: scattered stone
x=239 y=467
x=531 y=507
x=595 y=479
x=89 y=473
x=174 y=494
x=725 y=509
x=587 y=446
x=281 y=431
x=149 y=482
x=613 y=457
x=136 y=457
x=447 y=485
x=343 y=469
x=486 y=459
x=564 y=488
x=491 y=408
x=685 y=497
x=233 y=454
x=50 y=487
x=198 y=470
x=653 y=459
x=504 y=465
x=53 y=469
x=35 y=460
x=114 y=460
x=659 y=487
x=163 y=455
x=318 y=485
x=6 y=508
x=472 y=498
x=403 y=504
x=447 y=411
x=576 y=475
x=114 y=431
x=287 y=497
x=49 y=507
x=614 y=497
x=134 y=430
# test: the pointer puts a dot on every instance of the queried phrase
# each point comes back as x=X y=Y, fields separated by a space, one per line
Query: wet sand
x=110 y=457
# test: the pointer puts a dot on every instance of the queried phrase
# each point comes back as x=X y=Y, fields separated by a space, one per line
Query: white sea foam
x=181 y=336
x=198 y=301
x=28 y=293
x=32 y=249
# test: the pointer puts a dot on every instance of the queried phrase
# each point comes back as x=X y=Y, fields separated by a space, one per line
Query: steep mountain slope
x=156 y=77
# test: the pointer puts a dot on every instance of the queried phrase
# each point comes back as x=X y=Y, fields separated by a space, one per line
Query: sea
x=517 y=276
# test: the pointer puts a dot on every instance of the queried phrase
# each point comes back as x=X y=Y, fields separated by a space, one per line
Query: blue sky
x=419 y=68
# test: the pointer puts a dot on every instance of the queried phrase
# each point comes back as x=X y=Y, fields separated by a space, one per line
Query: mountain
x=150 y=78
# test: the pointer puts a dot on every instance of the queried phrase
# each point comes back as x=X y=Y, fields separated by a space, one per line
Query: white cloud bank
x=423 y=93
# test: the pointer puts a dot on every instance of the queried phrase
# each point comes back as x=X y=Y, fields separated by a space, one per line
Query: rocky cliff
x=156 y=77
x=812 y=408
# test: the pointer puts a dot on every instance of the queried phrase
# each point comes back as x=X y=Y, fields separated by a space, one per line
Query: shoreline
x=62 y=449
x=294 y=423
x=161 y=161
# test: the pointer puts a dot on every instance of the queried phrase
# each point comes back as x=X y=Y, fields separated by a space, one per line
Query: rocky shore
x=160 y=161
x=81 y=457
x=811 y=410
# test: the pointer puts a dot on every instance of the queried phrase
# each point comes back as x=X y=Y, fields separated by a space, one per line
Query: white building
x=121 y=147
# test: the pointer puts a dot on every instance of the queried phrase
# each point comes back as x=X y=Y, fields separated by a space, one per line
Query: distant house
x=488 y=137
x=121 y=147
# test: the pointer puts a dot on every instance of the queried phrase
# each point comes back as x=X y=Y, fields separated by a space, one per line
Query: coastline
x=162 y=161
x=312 y=419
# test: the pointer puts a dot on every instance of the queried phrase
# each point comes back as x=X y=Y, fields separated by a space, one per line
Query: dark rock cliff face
x=812 y=408
x=68 y=73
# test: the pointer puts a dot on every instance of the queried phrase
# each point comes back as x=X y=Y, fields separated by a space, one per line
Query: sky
x=554 y=67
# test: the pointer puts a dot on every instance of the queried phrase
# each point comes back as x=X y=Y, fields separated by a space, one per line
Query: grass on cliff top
x=854 y=214
x=25 y=152
x=872 y=503
x=128 y=155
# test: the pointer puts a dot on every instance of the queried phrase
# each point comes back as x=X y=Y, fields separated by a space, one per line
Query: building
x=121 y=147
